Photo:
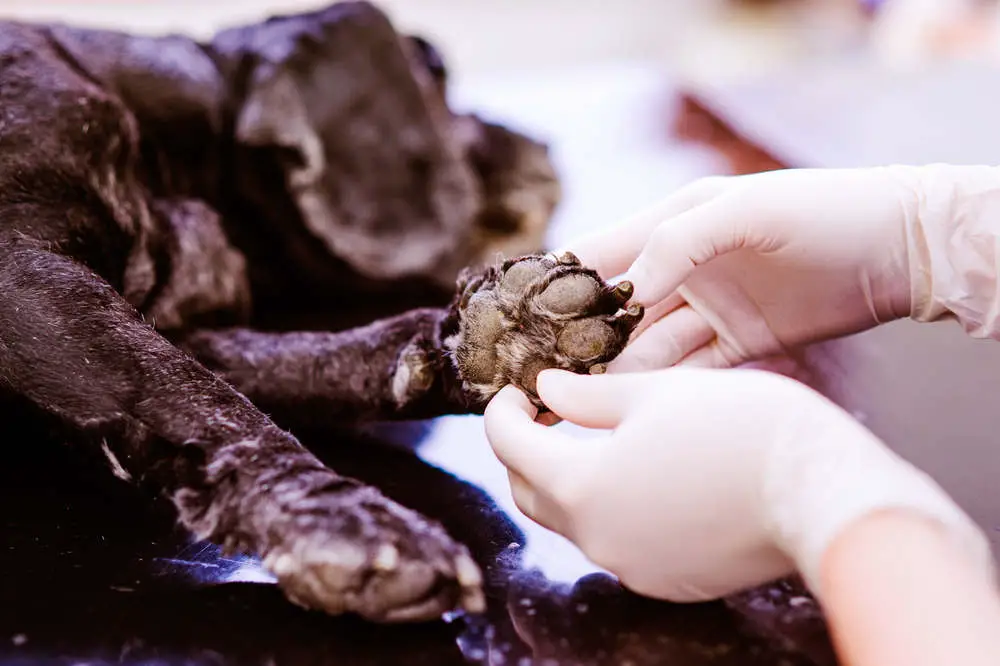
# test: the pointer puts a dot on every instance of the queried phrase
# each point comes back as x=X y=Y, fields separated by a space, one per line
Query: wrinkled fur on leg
x=393 y=369
x=77 y=350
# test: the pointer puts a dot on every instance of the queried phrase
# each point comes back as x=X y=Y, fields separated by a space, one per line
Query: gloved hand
x=711 y=481
x=737 y=269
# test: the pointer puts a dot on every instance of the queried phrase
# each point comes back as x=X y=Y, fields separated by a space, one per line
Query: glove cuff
x=952 y=226
x=816 y=489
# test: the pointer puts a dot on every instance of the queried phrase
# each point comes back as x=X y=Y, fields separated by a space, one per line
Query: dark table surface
x=93 y=574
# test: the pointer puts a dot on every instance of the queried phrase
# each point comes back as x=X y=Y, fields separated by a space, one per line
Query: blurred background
x=701 y=38
x=489 y=36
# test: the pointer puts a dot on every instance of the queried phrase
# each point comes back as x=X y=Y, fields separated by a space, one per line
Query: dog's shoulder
x=65 y=147
x=72 y=176
x=53 y=117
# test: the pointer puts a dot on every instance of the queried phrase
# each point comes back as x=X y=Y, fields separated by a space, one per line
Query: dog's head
x=352 y=116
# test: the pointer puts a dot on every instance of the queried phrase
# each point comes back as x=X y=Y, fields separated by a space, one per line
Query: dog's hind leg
x=72 y=345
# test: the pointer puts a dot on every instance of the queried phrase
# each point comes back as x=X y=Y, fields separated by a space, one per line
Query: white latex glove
x=711 y=481
x=741 y=268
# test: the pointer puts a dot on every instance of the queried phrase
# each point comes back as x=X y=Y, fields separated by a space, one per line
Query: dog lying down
x=172 y=212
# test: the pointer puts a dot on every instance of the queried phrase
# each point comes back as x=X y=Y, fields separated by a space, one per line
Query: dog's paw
x=356 y=551
x=537 y=312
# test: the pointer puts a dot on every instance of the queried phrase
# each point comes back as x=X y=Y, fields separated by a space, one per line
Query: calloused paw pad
x=355 y=551
x=537 y=312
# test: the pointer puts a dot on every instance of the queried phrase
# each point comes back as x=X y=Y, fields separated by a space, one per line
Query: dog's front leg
x=505 y=325
x=73 y=346
x=395 y=368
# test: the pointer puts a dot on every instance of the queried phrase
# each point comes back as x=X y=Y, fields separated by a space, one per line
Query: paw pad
x=538 y=312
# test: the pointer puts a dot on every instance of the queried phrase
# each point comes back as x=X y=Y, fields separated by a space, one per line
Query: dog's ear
x=274 y=115
x=356 y=121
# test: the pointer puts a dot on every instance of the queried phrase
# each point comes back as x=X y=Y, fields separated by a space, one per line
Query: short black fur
x=202 y=241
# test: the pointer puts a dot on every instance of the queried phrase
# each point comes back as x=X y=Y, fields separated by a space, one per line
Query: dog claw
x=623 y=291
x=386 y=558
x=629 y=317
x=569 y=259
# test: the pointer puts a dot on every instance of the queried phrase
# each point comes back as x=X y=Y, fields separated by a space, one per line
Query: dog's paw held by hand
x=537 y=312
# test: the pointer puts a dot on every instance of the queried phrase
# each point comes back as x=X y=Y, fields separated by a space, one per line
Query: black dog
x=183 y=229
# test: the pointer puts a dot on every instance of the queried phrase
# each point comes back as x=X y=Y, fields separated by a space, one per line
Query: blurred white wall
x=488 y=36
x=479 y=34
